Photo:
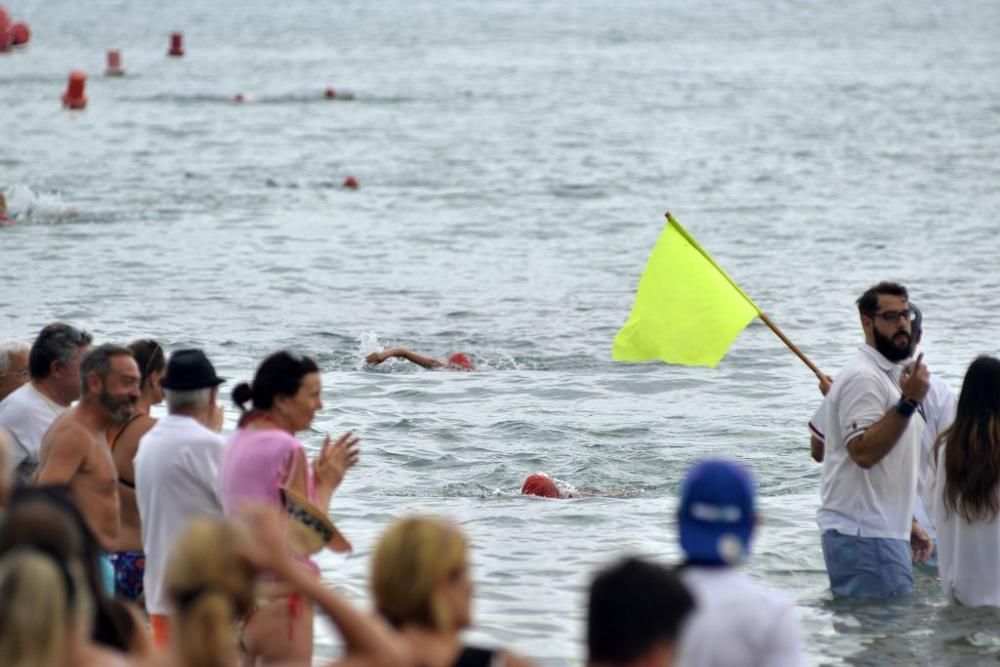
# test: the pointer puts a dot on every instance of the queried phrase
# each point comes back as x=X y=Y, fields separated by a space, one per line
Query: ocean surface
x=515 y=161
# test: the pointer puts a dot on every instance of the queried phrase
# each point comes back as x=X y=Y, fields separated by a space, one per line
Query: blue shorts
x=867 y=567
x=107 y=574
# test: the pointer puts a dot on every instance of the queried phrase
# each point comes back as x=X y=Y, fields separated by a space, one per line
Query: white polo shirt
x=939 y=410
x=967 y=552
x=738 y=622
x=176 y=479
x=26 y=415
x=877 y=502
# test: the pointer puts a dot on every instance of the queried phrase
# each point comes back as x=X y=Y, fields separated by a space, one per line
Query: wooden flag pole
x=792 y=346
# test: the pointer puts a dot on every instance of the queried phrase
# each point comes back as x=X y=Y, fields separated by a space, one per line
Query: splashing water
x=26 y=205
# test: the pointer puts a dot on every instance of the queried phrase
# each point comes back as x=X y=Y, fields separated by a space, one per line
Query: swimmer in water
x=456 y=362
x=541 y=485
x=3 y=210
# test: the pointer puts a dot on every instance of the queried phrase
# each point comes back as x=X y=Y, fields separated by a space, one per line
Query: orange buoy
x=176 y=44
x=114 y=63
x=74 y=98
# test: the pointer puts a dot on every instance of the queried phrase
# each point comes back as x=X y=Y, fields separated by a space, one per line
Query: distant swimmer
x=456 y=362
x=3 y=210
x=542 y=485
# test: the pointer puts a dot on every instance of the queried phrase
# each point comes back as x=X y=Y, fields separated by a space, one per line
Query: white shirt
x=176 y=479
x=939 y=409
x=877 y=502
x=968 y=553
x=738 y=623
x=26 y=414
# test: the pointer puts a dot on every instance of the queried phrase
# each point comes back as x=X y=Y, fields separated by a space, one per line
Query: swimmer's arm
x=64 y=456
x=427 y=362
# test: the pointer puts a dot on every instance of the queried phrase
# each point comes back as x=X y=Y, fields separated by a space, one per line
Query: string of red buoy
x=18 y=34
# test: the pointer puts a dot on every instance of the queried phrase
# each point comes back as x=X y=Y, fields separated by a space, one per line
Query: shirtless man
x=75 y=449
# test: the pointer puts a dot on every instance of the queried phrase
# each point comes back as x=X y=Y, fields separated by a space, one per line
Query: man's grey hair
x=187 y=399
x=98 y=360
x=7 y=351
x=56 y=342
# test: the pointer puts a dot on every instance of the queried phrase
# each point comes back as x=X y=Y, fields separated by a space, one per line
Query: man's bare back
x=76 y=452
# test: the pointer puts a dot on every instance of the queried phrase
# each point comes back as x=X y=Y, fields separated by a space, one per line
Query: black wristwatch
x=906 y=407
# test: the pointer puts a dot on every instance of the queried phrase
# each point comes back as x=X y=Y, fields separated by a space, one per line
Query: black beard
x=889 y=349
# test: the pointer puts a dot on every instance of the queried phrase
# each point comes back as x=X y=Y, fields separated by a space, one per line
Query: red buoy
x=5 y=37
x=114 y=63
x=239 y=97
x=74 y=98
x=330 y=93
x=20 y=34
x=351 y=182
x=176 y=44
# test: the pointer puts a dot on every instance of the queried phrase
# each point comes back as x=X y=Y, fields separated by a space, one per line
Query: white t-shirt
x=968 y=553
x=738 y=623
x=877 y=502
x=26 y=415
x=938 y=410
x=176 y=479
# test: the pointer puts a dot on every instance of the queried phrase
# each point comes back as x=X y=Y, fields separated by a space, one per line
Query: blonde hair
x=410 y=559
x=39 y=599
x=211 y=586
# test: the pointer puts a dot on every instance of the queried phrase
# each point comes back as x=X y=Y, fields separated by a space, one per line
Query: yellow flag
x=687 y=310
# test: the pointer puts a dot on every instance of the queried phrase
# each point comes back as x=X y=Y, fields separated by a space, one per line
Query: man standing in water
x=75 y=450
x=937 y=410
x=869 y=483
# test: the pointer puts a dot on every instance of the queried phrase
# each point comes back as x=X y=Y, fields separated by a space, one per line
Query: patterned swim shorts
x=129 y=568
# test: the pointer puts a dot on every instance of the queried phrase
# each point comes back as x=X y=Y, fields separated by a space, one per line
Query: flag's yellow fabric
x=687 y=310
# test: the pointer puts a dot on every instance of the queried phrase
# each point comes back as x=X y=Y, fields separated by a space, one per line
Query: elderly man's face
x=16 y=374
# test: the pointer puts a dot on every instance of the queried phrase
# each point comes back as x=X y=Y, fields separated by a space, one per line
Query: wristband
x=906 y=407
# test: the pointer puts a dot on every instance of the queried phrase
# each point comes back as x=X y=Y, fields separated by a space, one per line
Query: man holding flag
x=872 y=454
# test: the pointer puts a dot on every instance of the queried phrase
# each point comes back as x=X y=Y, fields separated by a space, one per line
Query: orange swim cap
x=459 y=360
x=540 y=485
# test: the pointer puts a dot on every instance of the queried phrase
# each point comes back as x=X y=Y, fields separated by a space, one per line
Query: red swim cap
x=540 y=485
x=459 y=360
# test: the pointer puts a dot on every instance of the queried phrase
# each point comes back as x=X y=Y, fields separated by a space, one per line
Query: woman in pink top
x=262 y=456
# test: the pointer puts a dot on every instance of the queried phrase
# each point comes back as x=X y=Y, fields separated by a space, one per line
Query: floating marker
x=351 y=182
x=239 y=97
x=176 y=44
x=74 y=98
x=330 y=93
x=20 y=34
x=114 y=63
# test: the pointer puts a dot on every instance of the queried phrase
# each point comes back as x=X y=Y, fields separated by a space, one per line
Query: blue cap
x=717 y=512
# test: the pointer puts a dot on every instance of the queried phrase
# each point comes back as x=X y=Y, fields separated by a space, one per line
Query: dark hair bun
x=241 y=394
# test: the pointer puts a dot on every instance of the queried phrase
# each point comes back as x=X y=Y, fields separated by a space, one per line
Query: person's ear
x=94 y=383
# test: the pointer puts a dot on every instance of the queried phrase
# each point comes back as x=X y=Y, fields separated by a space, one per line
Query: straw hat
x=310 y=529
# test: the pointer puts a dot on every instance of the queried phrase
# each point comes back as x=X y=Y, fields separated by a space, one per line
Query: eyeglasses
x=892 y=316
